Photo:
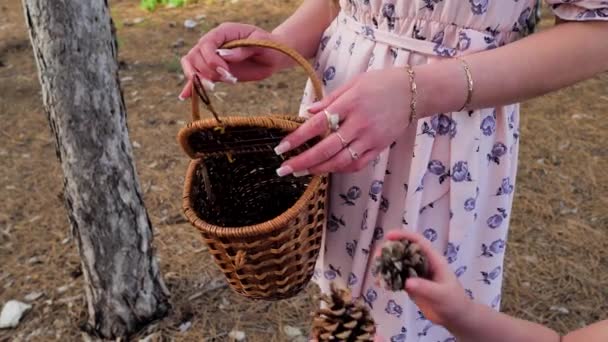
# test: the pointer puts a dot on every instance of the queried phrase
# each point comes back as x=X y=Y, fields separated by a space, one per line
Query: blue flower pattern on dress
x=489 y=277
x=451 y=252
x=356 y=223
x=496 y=220
x=430 y=234
x=375 y=190
x=352 y=279
x=498 y=150
x=392 y=308
x=334 y=223
x=400 y=337
x=370 y=297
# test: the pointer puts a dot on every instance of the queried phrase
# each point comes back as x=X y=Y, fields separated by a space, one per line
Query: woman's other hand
x=213 y=64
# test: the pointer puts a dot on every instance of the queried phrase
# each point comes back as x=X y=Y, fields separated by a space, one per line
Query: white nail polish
x=210 y=86
x=283 y=147
x=224 y=52
x=301 y=173
x=226 y=75
x=181 y=98
x=284 y=171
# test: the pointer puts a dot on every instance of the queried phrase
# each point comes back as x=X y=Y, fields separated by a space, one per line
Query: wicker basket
x=263 y=231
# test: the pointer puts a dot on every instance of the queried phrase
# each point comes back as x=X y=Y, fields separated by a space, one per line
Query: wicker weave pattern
x=270 y=260
x=273 y=260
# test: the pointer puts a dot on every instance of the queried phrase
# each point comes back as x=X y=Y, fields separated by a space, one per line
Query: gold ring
x=354 y=155
x=342 y=140
x=333 y=120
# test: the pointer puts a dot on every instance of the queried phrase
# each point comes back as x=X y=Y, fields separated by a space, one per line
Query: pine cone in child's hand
x=343 y=319
x=398 y=261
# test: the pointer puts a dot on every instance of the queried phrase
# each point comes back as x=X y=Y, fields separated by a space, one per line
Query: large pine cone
x=342 y=319
x=398 y=261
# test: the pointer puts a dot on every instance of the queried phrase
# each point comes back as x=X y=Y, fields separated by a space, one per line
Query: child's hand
x=441 y=299
x=241 y=64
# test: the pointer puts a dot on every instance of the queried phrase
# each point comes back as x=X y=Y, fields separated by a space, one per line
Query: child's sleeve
x=583 y=10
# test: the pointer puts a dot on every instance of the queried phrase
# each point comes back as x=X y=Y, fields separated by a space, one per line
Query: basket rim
x=263 y=228
x=285 y=122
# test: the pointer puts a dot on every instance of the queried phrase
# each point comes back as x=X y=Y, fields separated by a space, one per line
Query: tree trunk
x=76 y=52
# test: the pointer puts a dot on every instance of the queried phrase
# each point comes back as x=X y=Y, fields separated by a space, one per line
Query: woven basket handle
x=198 y=89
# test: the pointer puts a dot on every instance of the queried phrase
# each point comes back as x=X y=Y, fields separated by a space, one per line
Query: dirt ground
x=558 y=248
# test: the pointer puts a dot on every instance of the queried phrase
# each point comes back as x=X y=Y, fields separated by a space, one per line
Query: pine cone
x=398 y=261
x=343 y=319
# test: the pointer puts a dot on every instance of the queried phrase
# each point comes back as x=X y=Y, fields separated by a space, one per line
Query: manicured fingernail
x=283 y=147
x=208 y=84
x=284 y=171
x=226 y=75
x=314 y=107
x=181 y=98
x=224 y=52
x=301 y=173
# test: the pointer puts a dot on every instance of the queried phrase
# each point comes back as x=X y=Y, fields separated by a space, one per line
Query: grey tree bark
x=76 y=52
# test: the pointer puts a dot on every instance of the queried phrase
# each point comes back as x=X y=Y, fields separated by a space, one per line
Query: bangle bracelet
x=467 y=72
x=414 y=93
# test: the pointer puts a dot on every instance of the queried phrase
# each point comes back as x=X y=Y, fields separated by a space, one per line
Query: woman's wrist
x=442 y=87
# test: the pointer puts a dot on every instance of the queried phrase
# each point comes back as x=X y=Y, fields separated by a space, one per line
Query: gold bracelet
x=414 y=93
x=467 y=72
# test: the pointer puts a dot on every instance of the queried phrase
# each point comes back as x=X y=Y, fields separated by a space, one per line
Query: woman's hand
x=441 y=299
x=374 y=110
x=241 y=64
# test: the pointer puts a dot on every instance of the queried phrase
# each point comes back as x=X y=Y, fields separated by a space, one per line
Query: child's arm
x=443 y=301
x=597 y=332
x=482 y=323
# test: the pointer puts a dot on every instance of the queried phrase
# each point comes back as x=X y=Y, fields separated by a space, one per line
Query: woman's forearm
x=538 y=64
x=304 y=28
x=482 y=323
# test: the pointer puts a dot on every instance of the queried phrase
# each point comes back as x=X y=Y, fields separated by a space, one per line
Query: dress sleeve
x=580 y=10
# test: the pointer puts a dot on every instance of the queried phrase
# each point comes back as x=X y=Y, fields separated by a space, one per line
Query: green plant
x=150 y=5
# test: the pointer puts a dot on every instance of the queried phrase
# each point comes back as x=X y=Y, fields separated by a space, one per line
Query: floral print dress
x=451 y=177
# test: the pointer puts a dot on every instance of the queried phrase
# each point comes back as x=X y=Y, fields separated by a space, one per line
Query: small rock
x=181 y=122
x=65 y=241
x=178 y=44
x=63 y=288
x=34 y=260
x=190 y=24
x=3 y=152
x=11 y=313
x=559 y=309
x=282 y=85
x=200 y=17
x=531 y=259
x=185 y=326
x=224 y=304
x=292 y=332
x=26 y=156
x=237 y=335
x=126 y=79
x=136 y=144
x=134 y=21
x=30 y=297
x=579 y=116
x=172 y=24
